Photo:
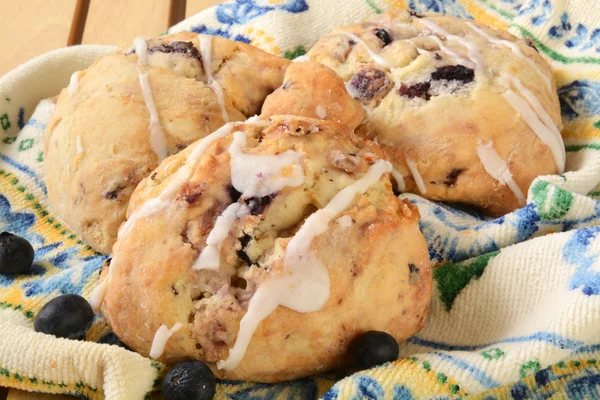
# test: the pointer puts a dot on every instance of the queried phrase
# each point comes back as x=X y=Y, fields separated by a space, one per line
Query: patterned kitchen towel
x=516 y=306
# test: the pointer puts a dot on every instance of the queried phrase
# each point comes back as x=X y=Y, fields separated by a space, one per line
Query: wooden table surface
x=33 y=27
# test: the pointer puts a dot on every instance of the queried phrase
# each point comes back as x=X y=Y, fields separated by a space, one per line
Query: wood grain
x=120 y=21
x=195 y=6
x=33 y=27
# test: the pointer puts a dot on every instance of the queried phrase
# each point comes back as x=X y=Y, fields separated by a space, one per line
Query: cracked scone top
x=264 y=249
x=466 y=113
x=122 y=116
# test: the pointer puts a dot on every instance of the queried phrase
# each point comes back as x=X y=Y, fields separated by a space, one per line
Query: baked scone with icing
x=466 y=113
x=121 y=117
x=313 y=90
x=264 y=249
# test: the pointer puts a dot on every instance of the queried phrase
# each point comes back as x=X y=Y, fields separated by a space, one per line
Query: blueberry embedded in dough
x=453 y=73
x=114 y=190
x=258 y=204
x=419 y=89
x=453 y=176
x=242 y=255
x=234 y=195
x=368 y=84
x=191 y=191
x=186 y=48
x=384 y=36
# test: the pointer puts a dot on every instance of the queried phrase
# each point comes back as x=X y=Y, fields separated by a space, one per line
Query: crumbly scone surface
x=432 y=89
x=374 y=246
x=97 y=145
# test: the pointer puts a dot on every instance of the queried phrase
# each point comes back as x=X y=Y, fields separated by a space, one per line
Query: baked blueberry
x=190 y=380
x=419 y=89
x=375 y=348
x=384 y=36
x=258 y=204
x=16 y=254
x=368 y=84
x=68 y=316
x=453 y=73
x=186 y=48
x=234 y=195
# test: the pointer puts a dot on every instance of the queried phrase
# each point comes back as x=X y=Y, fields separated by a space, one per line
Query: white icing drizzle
x=471 y=47
x=162 y=335
x=302 y=58
x=533 y=113
x=74 y=83
x=210 y=257
x=252 y=175
x=78 y=144
x=536 y=125
x=345 y=221
x=405 y=25
x=206 y=56
x=306 y=287
x=412 y=166
x=97 y=295
x=141 y=49
x=537 y=106
x=262 y=175
x=177 y=180
x=321 y=112
x=399 y=180
x=158 y=139
x=498 y=169
x=377 y=58
x=516 y=50
x=253 y=119
x=160 y=202
x=454 y=55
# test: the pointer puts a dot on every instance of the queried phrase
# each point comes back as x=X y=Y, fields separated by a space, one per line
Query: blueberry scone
x=466 y=113
x=121 y=117
x=264 y=249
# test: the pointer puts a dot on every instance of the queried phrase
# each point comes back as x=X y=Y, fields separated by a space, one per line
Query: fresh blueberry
x=190 y=380
x=16 y=254
x=375 y=348
x=67 y=316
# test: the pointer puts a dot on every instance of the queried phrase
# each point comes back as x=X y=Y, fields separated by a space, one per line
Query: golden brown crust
x=367 y=255
x=97 y=142
x=438 y=123
x=313 y=90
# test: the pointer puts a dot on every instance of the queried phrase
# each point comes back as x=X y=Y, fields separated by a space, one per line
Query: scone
x=266 y=248
x=121 y=117
x=466 y=113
